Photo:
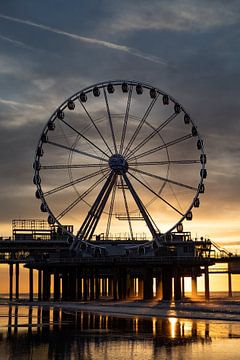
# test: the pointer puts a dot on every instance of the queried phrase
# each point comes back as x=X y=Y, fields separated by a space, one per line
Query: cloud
x=15 y=104
x=89 y=40
x=186 y=15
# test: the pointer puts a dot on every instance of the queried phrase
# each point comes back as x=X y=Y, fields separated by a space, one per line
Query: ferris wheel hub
x=118 y=164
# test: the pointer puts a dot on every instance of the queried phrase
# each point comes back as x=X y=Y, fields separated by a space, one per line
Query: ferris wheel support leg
x=140 y=206
x=100 y=209
x=87 y=224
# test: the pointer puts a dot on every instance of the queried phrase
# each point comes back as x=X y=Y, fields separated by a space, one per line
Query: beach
x=108 y=330
x=216 y=309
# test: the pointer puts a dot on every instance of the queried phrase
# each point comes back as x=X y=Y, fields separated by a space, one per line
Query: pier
x=111 y=269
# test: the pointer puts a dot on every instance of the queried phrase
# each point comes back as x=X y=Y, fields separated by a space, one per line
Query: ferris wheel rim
x=103 y=85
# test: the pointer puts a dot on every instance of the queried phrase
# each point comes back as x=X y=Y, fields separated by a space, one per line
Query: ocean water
x=41 y=333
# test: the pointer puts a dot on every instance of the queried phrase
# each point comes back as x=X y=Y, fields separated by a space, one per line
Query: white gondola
x=51 y=125
x=153 y=93
x=203 y=173
x=37 y=194
x=199 y=144
x=110 y=88
x=36 y=165
x=39 y=151
x=96 y=91
x=203 y=159
x=177 y=108
x=51 y=220
x=71 y=105
x=43 y=208
x=196 y=203
x=83 y=97
x=165 y=99
x=124 y=87
x=186 y=119
x=36 y=180
x=44 y=138
x=201 y=188
x=139 y=89
x=60 y=115
x=194 y=131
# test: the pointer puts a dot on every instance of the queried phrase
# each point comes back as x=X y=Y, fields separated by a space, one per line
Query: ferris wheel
x=120 y=157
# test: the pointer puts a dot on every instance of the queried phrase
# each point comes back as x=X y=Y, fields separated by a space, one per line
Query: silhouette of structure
x=149 y=165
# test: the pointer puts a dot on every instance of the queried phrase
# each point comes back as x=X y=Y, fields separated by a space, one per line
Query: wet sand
x=217 y=309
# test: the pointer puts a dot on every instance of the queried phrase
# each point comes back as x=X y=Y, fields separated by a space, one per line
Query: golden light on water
x=135 y=325
x=154 y=326
x=172 y=321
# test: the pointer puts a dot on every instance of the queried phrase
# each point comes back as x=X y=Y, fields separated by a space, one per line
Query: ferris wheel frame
x=120 y=153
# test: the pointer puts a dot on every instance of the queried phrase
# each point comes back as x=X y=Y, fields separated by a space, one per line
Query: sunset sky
x=190 y=49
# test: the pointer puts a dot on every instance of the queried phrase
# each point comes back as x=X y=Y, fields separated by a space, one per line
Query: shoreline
x=219 y=310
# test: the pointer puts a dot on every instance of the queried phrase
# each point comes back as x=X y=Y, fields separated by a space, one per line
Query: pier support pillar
x=158 y=287
x=56 y=295
x=92 y=288
x=39 y=285
x=194 y=286
x=140 y=288
x=148 y=285
x=229 y=284
x=183 y=287
x=85 y=289
x=120 y=289
x=31 y=284
x=97 y=285
x=177 y=287
x=124 y=286
x=207 y=291
x=115 y=288
x=79 y=287
x=46 y=285
x=65 y=287
x=17 y=281
x=167 y=284
x=110 y=288
x=10 y=281
x=104 y=286
x=72 y=285
x=130 y=287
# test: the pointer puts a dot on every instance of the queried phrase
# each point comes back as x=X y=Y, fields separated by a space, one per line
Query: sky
x=190 y=49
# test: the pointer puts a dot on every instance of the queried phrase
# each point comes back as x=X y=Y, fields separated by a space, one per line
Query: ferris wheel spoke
x=178 y=183
x=95 y=126
x=110 y=120
x=72 y=166
x=153 y=133
x=156 y=194
x=166 y=162
x=74 y=182
x=140 y=125
x=126 y=119
x=76 y=151
x=111 y=209
x=84 y=137
x=161 y=147
x=142 y=209
x=127 y=209
x=80 y=198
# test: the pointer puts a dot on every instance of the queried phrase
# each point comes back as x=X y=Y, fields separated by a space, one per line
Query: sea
x=38 y=332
